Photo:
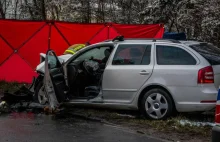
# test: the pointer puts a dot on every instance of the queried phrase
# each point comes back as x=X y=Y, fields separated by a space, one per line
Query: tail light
x=206 y=75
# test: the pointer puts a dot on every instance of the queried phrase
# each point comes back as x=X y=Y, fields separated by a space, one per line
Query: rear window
x=170 y=55
x=209 y=52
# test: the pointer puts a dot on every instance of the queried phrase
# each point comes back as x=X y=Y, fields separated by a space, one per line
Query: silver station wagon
x=155 y=76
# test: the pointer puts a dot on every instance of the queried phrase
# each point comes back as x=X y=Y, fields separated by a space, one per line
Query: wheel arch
x=154 y=86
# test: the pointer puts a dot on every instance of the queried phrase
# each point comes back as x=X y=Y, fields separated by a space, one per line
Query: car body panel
x=123 y=85
x=181 y=82
x=122 y=82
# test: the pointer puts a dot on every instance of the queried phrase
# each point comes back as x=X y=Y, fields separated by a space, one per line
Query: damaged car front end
x=77 y=79
x=50 y=86
x=38 y=85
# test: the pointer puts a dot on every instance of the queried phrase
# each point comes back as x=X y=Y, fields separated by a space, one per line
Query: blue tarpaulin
x=176 y=36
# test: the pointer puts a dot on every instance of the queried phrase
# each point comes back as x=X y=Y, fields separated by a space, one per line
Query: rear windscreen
x=209 y=52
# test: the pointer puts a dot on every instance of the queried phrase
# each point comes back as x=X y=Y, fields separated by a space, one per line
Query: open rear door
x=54 y=80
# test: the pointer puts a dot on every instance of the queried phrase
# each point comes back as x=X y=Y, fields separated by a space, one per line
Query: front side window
x=132 y=54
x=170 y=55
x=96 y=53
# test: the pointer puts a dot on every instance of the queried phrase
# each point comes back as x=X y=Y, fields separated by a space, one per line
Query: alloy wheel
x=156 y=106
x=42 y=98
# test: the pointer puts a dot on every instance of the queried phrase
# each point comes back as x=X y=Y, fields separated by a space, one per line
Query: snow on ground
x=194 y=123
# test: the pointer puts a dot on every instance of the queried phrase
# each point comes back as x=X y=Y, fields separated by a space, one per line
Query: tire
x=42 y=99
x=156 y=104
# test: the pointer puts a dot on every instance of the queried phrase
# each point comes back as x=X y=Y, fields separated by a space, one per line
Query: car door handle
x=143 y=72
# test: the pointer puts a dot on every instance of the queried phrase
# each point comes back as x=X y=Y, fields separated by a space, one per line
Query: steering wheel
x=91 y=66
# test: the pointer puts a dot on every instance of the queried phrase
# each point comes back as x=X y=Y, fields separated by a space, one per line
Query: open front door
x=54 y=80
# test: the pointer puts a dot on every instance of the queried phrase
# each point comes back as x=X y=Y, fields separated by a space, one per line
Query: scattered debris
x=4 y=108
x=20 y=100
x=23 y=94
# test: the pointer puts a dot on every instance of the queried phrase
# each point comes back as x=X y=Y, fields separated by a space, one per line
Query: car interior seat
x=135 y=55
x=107 y=53
x=93 y=91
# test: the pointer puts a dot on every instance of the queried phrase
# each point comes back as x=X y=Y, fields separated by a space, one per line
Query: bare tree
x=4 y=5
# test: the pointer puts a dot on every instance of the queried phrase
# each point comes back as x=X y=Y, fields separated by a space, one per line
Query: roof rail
x=155 y=39
x=121 y=38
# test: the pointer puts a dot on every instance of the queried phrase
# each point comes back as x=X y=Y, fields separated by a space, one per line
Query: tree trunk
x=88 y=12
x=171 y=25
x=100 y=14
x=29 y=9
x=103 y=11
x=43 y=10
x=129 y=11
x=2 y=11
x=16 y=8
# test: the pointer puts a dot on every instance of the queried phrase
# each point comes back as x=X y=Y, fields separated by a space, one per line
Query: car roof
x=121 y=39
x=191 y=42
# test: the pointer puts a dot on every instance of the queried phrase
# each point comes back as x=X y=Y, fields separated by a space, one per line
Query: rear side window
x=132 y=54
x=170 y=55
x=209 y=52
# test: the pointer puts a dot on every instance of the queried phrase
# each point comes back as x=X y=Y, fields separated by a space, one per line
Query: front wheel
x=40 y=94
x=156 y=104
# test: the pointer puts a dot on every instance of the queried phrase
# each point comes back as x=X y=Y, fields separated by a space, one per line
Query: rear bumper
x=216 y=134
x=191 y=99
x=193 y=107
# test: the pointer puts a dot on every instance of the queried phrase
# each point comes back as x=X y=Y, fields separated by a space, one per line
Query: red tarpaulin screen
x=21 y=42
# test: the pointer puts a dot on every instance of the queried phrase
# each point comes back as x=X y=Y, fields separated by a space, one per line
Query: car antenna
x=118 y=38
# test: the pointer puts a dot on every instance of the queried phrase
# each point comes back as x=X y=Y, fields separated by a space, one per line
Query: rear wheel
x=40 y=94
x=157 y=104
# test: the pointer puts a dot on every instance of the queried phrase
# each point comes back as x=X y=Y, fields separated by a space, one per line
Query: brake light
x=206 y=75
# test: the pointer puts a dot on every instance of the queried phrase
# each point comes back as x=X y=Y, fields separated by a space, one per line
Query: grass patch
x=10 y=87
x=171 y=125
